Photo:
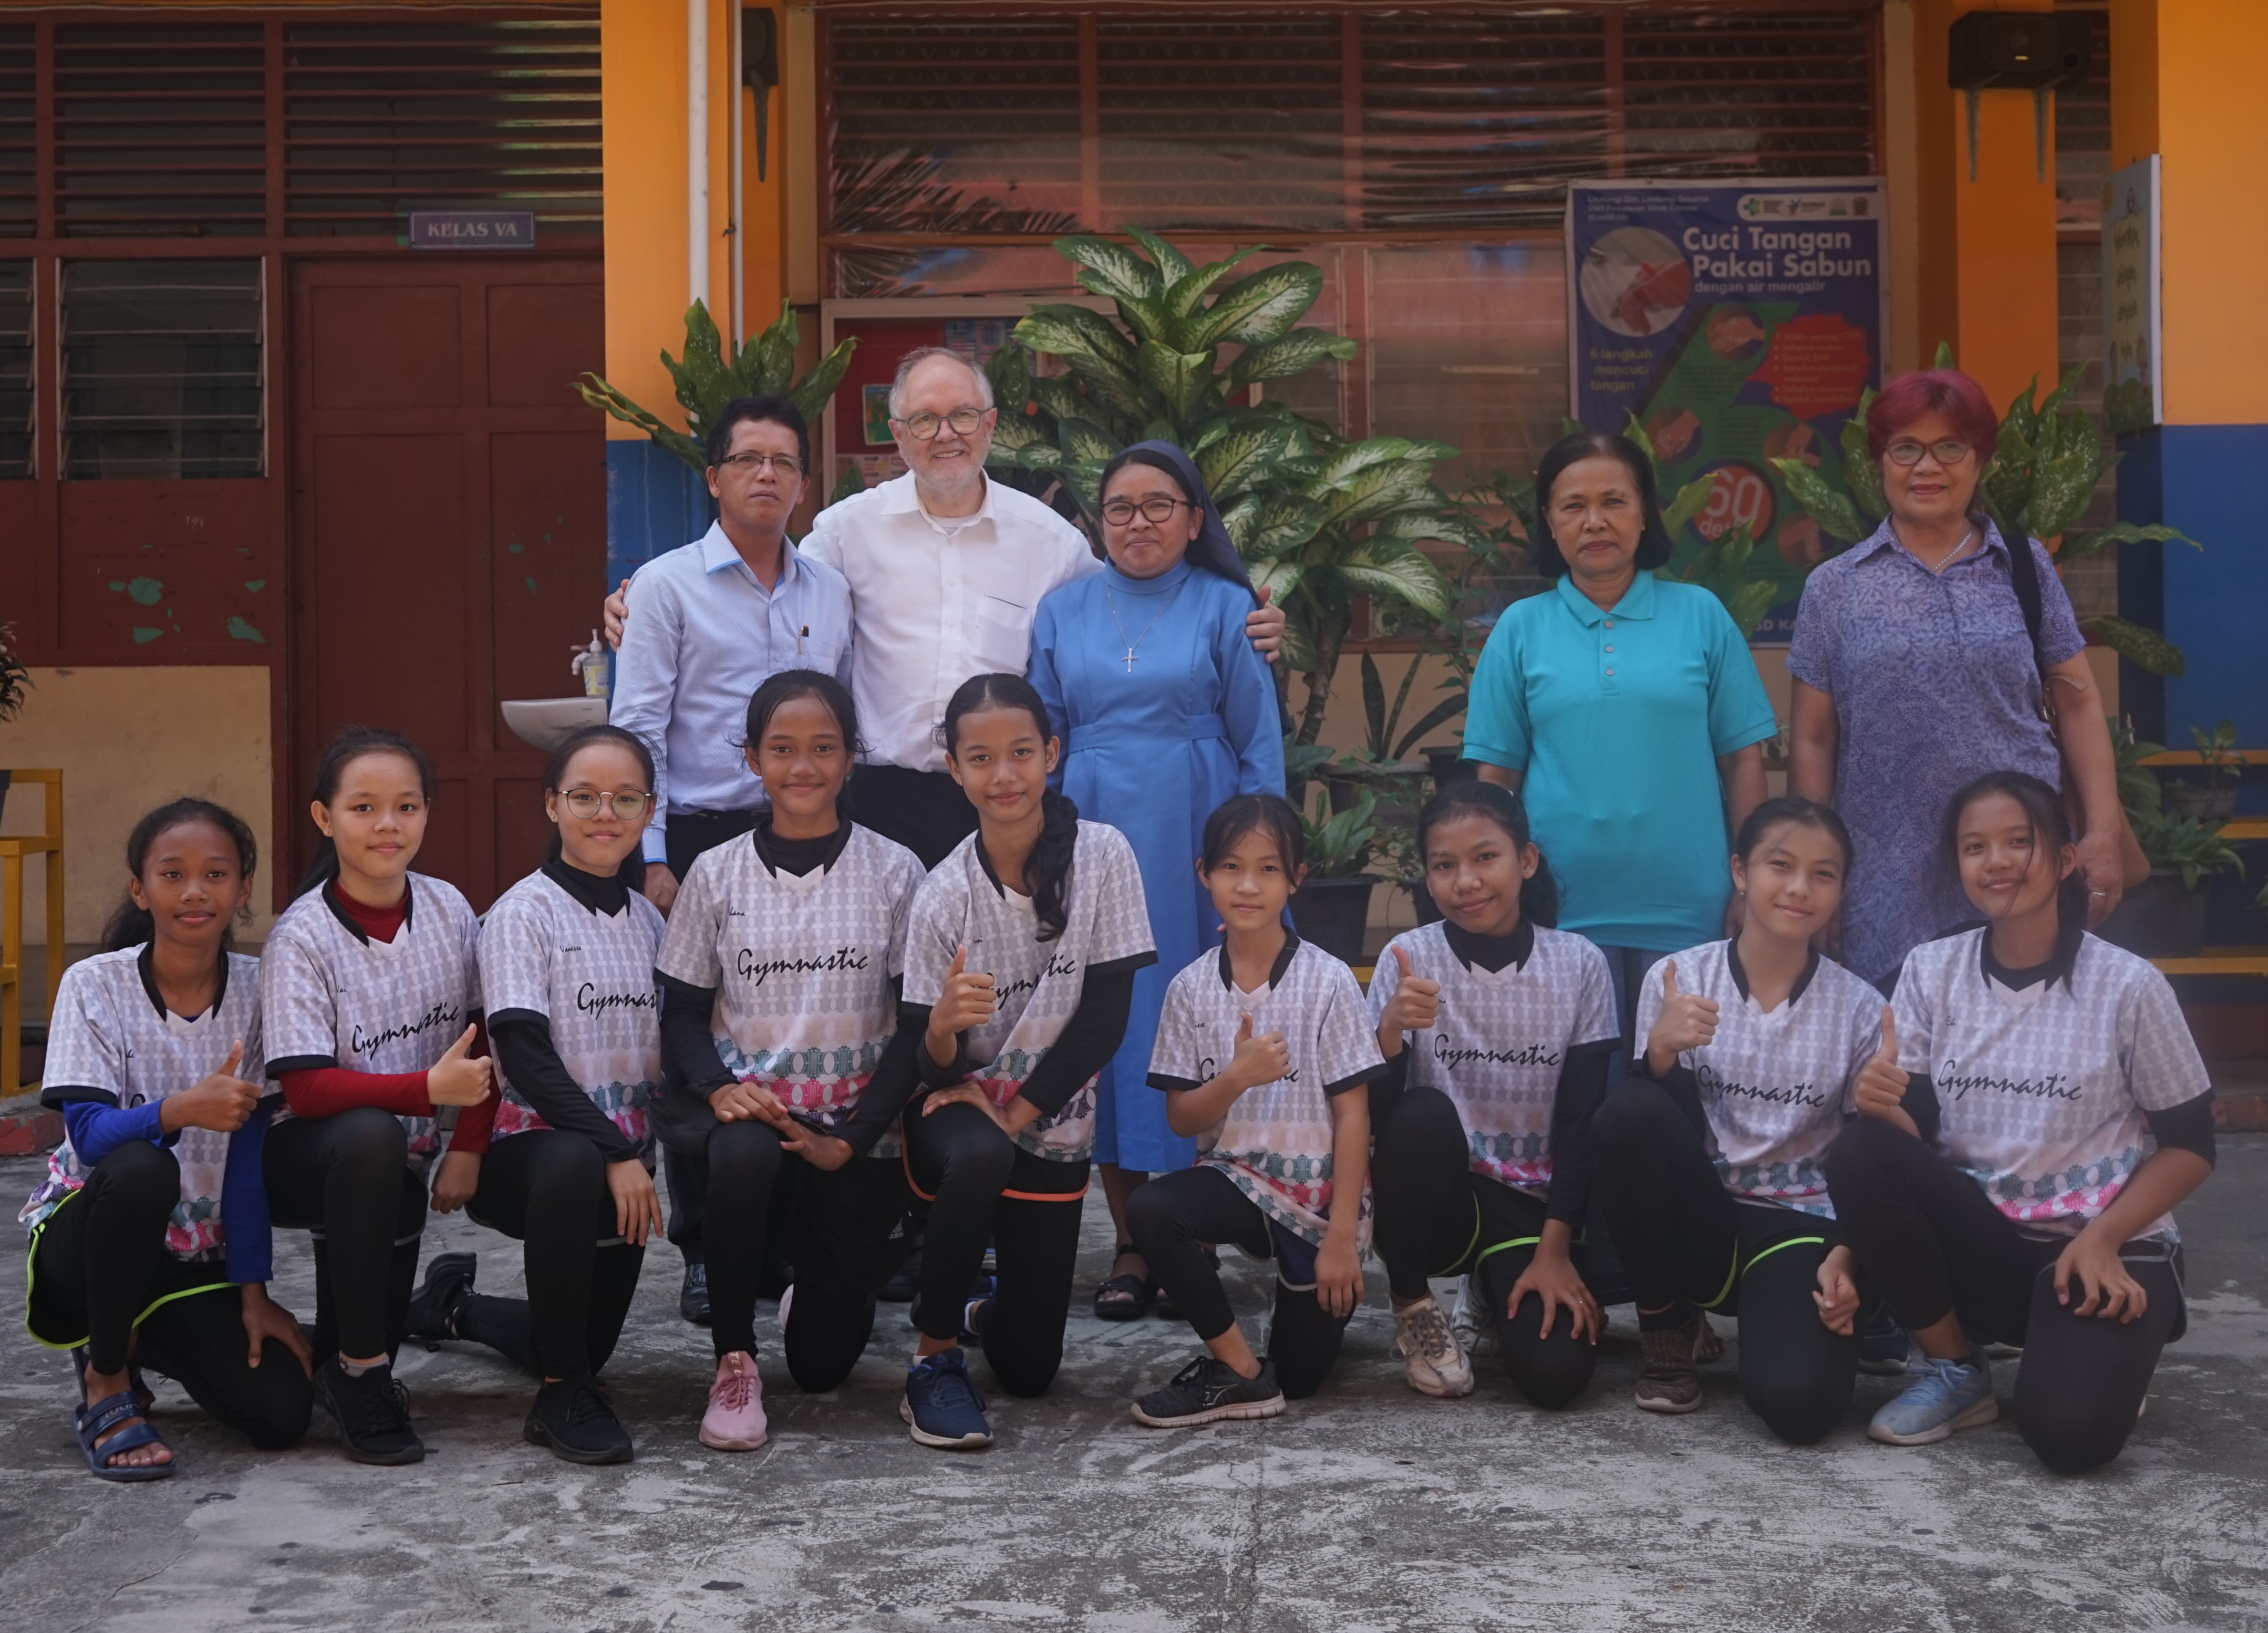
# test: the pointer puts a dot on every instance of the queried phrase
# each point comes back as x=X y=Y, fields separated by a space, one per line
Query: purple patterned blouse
x=1934 y=683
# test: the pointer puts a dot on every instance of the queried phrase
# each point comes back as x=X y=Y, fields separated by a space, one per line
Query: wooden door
x=450 y=525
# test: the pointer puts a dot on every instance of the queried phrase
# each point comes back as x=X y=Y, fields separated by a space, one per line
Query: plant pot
x=1448 y=766
x=1347 y=789
x=2206 y=804
x=1422 y=903
x=2159 y=918
x=1333 y=913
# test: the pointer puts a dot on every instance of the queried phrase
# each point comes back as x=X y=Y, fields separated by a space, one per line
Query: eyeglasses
x=785 y=464
x=925 y=426
x=587 y=803
x=1118 y=512
x=1909 y=453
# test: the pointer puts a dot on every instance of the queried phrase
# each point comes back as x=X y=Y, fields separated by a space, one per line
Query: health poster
x=1738 y=322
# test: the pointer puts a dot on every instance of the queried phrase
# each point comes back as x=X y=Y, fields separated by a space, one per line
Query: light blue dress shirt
x=703 y=635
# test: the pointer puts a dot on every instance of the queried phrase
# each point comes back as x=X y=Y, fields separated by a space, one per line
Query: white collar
x=903 y=496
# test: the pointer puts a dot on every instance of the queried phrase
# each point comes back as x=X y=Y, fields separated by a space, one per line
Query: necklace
x=1111 y=603
x=1954 y=554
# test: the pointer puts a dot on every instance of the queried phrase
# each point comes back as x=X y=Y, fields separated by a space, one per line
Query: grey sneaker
x=1470 y=1319
x=1671 y=1381
x=1432 y=1361
x=1207 y=1391
x=1944 y=1396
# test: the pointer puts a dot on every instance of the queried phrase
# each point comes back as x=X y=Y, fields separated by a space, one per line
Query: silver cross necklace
x=1112 y=603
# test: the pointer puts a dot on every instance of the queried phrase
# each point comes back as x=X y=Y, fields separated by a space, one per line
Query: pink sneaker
x=734 y=1421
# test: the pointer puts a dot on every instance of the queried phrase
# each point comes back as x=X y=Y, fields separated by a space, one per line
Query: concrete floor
x=1365 y=1508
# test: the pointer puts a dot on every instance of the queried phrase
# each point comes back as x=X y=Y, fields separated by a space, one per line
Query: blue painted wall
x=655 y=502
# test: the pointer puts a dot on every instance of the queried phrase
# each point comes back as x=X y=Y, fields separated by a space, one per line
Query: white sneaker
x=1474 y=1332
x=1434 y=1361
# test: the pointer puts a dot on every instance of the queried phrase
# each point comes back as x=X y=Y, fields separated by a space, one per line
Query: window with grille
x=161 y=369
x=19 y=149
x=15 y=370
x=160 y=130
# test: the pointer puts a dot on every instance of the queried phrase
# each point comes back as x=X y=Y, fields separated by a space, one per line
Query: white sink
x=545 y=722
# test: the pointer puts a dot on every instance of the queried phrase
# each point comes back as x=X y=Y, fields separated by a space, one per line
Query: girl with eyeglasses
x=566 y=959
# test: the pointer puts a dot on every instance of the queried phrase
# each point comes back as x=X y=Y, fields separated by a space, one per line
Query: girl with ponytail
x=1497 y=1030
x=1020 y=975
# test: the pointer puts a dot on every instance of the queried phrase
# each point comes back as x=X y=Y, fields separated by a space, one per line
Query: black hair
x=632 y=872
x=771 y=407
x=790 y=684
x=1803 y=813
x=2051 y=825
x=1539 y=892
x=130 y=926
x=1048 y=871
x=1143 y=457
x=351 y=745
x=1270 y=813
x=1654 y=546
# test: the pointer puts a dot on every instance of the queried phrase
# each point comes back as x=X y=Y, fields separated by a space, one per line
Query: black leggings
x=1175 y=1217
x=346 y=1177
x=1930 y=1237
x=1682 y=1236
x=981 y=1186
x=547 y=1188
x=1436 y=1217
x=101 y=1276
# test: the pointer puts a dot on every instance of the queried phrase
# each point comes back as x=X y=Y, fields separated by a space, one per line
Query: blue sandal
x=92 y=1422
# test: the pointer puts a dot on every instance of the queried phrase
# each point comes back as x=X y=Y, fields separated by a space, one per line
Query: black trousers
x=1684 y=1236
x=1175 y=1217
x=689 y=834
x=923 y=811
x=1435 y=1217
x=1930 y=1237
x=547 y=1187
x=100 y=1276
x=346 y=1177
x=981 y=1186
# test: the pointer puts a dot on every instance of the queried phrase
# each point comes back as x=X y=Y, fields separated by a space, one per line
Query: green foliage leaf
x=2147 y=649
x=768 y=362
x=1257 y=309
x=1149 y=319
x=1017 y=431
x=1173 y=266
x=1447 y=709
x=701 y=385
x=605 y=398
x=1082 y=441
x=847 y=484
x=1944 y=357
x=1009 y=371
x=2077 y=546
x=1241 y=458
x=810 y=394
x=1187 y=290
x=1109 y=269
x=1687 y=503
x=1284 y=356
x=1073 y=332
x=1183 y=379
x=1821 y=500
x=1289 y=521
x=2063 y=484
x=1059 y=396
x=1389 y=567
x=1860 y=472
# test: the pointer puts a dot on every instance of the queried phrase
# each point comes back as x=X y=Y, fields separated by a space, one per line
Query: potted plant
x=1331 y=908
x=2163 y=917
x=2215 y=800
x=15 y=681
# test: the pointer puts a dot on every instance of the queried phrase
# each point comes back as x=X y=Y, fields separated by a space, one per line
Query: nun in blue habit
x=1164 y=711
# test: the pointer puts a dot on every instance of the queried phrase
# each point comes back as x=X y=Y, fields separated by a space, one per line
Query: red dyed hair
x=1923 y=392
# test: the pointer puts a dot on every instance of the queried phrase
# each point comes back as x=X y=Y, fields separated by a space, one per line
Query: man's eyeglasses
x=925 y=426
x=586 y=802
x=1119 y=513
x=785 y=464
x=1909 y=453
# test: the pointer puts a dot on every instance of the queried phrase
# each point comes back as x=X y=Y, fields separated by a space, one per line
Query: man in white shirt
x=946 y=569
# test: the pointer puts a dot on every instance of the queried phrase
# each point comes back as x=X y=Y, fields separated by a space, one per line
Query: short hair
x=1269 y=815
x=1922 y=392
x=1654 y=546
x=920 y=355
x=770 y=408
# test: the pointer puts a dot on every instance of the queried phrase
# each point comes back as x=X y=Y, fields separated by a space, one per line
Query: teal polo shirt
x=1617 y=718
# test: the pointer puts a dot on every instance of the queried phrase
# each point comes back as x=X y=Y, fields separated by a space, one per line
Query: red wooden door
x=450 y=525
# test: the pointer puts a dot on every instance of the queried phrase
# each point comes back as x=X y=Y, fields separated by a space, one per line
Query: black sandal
x=1126 y=1298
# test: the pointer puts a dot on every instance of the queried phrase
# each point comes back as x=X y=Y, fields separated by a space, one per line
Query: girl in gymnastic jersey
x=370 y=1005
x=1711 y=1156
x=1497 y=1030
x=1020 y=975
x=566 y=959
x=1995 y=1183
x=1264 y=1051
x=150 y=1242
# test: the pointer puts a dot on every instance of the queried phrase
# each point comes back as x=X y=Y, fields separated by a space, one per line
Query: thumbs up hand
x=1687 y=1021
x=220 y=1102
x=457 y=1078
x=1258 y=1060
x=1881 y=1089
x=1415 y=1006
x=967 y=1000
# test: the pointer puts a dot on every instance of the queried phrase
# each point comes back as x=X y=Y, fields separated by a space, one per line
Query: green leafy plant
x=1340 y=844
x=2217 y=752
x=2038 y=486
x=2139 y=792
x=2191 y=848
x=707 y=381
x=15 y=677
x=1321 y=521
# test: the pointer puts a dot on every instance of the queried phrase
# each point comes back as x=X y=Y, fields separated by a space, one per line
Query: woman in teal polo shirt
x=1626 y=712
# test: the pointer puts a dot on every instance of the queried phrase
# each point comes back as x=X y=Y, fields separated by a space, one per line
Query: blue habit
x=1151 y=749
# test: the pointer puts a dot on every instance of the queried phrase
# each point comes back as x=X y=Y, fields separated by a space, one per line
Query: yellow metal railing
x=14 y=847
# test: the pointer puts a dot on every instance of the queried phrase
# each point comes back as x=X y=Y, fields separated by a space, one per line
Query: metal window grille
x=19 y=146
x=15 y=370
x=160 y=130
x=161 y=369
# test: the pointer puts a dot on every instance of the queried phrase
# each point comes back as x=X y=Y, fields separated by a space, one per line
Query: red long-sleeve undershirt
x=325 y=1090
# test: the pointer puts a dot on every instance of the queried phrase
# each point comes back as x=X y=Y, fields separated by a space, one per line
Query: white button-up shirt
x=703 y=634
x=938 y=600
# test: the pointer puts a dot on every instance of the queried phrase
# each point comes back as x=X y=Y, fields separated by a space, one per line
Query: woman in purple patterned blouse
x=1914 y=672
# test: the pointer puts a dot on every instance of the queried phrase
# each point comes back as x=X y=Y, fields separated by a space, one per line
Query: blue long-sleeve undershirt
x=96 y=1129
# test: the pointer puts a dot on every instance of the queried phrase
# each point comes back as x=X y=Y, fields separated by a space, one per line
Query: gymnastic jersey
x=2042 y=1091
x=1036 y=984
x=112 y=1037
x=330 y=996
x=1502 y=1038
x=1274 y=1141
x=1775 y=1087
x=589 y=974
x=801 y=964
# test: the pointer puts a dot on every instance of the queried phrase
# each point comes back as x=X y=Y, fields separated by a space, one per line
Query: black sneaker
x=693 y=1296
x=576 y=1419
x=435 y=1308
x=1207 y=1391
x=372 y=1413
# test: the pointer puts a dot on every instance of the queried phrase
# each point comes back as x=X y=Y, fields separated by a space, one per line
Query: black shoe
x=576 y=1419
x=372 y=1413
x=436 y=1307
x=774 y=1277
x=1207 y=1391
x=905 y=1282
x=693 y=1296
